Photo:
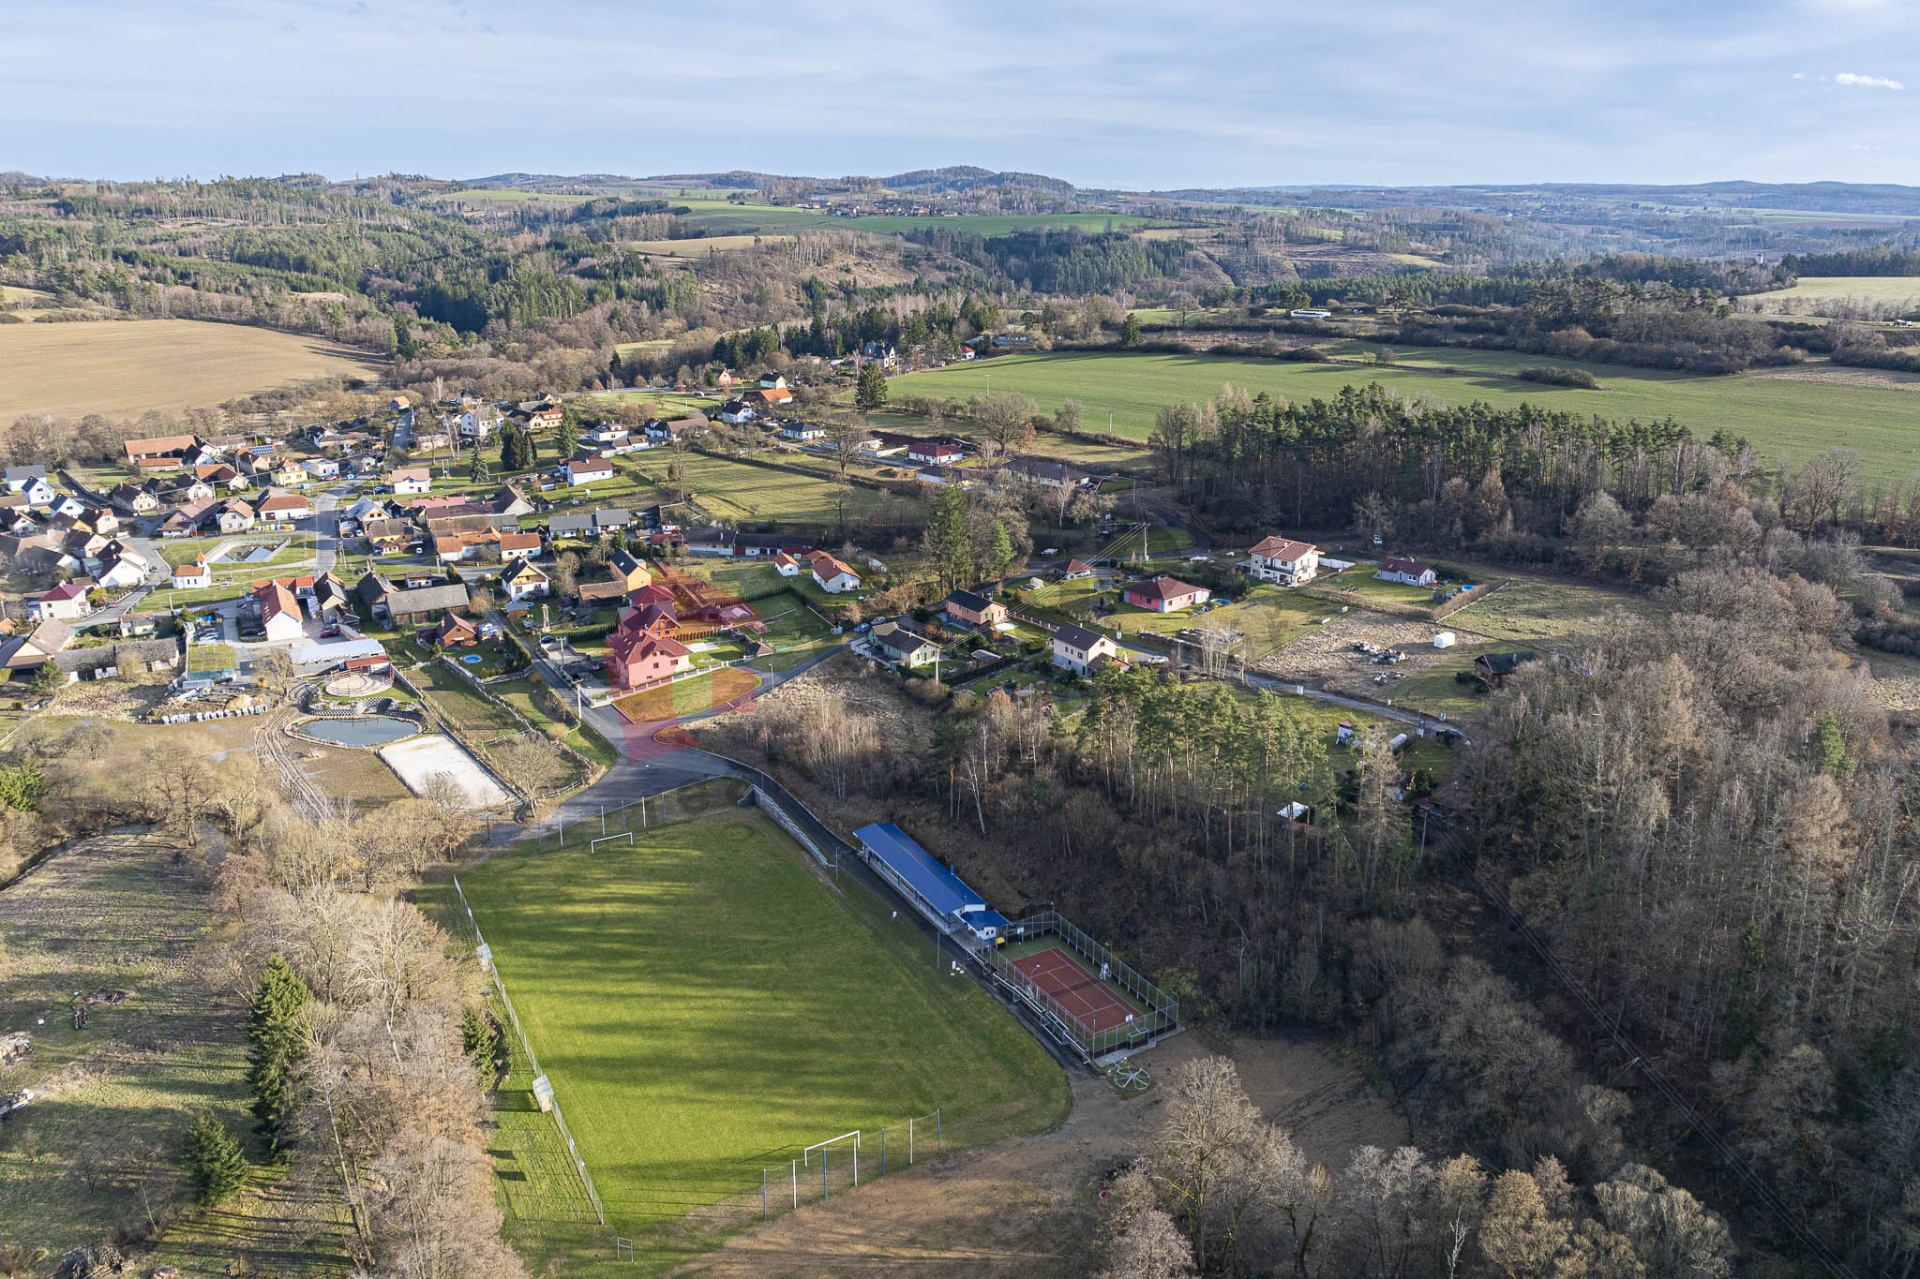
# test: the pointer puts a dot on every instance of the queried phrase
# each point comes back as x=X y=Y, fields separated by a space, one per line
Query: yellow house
x=628 y=570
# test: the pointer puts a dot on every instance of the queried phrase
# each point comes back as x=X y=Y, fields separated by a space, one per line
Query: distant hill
x=1541 y=199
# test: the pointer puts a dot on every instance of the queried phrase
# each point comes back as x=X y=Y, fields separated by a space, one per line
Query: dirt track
x=1026 y=1206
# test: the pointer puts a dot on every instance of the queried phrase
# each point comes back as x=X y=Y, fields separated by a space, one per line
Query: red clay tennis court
x=1081 y=994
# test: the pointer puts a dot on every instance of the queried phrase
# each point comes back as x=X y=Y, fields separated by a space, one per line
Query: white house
x=127 y=570
x=833 y=576
x=521 y=580
x=804 y=431
x=737 y=413
x=21 y=478
x=1410 y=572
x=321 y=468
x=1078 y=648
x=412 y=480
x=588 y=470
x=193 y=577
x=1280 y=559
x=935 y=452
x=64 y=603
x=279 y=612
x=785 y=565
x=608 y=434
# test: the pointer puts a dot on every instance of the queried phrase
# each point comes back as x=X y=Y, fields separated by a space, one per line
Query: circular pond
x=361 y=730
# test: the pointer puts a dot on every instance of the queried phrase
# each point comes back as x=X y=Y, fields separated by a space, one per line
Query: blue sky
x=1116 y=93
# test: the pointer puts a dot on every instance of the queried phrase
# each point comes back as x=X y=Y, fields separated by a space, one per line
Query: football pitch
x=706 y=1003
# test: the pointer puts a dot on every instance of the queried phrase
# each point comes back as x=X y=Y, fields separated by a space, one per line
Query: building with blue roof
x=931 y=888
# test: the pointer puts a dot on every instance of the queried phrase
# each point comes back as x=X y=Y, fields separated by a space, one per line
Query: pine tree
x=999 y=550
x=1130 y=330
x=476 y=1041
x=510 y=449
x=276 y=1045
x=871 y=393
x=565 y=439
x=480 y=472
x=212 y=1160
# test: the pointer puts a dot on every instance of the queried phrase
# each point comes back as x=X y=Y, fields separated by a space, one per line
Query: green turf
x=704 y=1003
x=750 y=494
x=1791 y=412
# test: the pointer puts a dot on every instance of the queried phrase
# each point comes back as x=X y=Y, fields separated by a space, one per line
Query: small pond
x=361 y=730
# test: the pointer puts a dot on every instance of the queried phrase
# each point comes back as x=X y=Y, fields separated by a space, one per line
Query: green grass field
x=1796 y=412
x=706 y=1002
x=1812 y=294
x=751 y=494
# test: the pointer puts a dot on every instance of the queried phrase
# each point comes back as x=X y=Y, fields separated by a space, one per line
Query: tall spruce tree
x=565 y=439
x=871 y=392
x=276 y=1045
x=212 y=1161
x=479 y=472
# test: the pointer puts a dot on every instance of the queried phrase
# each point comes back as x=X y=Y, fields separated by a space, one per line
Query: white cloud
x=1866 y=81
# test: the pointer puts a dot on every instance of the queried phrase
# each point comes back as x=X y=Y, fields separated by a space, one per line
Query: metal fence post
x=883 y=1152
x=763 y=1194
x=936 y=1130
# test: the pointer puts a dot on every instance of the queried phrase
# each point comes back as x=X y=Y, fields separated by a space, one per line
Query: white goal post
x=806 y=1156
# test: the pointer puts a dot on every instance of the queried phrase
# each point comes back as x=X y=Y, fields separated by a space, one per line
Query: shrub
x=1554 y=375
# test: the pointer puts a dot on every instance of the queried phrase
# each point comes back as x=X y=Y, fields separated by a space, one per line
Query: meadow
x=751 y=494
x=1793 y=412
x=1813 y=294
x=122 y=369
x=706 y=1002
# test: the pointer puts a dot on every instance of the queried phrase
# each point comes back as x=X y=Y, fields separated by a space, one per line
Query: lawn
x=687 y=696
x=751 y=494
x=706 y=1003
x=124 y=369
x=1797 y=411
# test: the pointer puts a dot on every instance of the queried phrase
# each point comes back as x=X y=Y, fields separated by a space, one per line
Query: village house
x=1408 y=572
x=785 y=565
x=547 y=418
x=712 y=540
x=1165 y=594
x=281 y=510
x=589 y=470
x=1280 y=559
x=805 y=432
x=290 y=475
x=30 y=651
x=521 y=580
x=833 y=576
x=412 y=479
x=455 y=631
x=1076 y=570
x=234 y=516
x=900 y=641
x=121 y=567
x=168 y=447
x=974 y=610
x=280 y=615
x=637 y=657
x=627 y=570
x=1077 y=648
x=935 y=452
x=390 y=536
x=737 y=413
x=1498 y=668
x=134 y=499
x=881 y=353
x=66 y=602
x=407 y=605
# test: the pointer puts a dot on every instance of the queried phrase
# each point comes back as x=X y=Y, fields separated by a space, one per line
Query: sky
x=1116 y=93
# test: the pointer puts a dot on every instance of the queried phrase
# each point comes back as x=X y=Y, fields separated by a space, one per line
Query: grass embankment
x=687 y=697
x=706 y=1003
x=114 y=1100
x=1798 y=411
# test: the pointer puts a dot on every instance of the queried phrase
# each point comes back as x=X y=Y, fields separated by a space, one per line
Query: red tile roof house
x=1280 y=559
x=1165 y=595
x=636 y=657
x=1410 y=572
x=939 y=452
x=63 y=603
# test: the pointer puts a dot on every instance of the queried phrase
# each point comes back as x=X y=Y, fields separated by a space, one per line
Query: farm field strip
x=124 y=368
x=1777 y=412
